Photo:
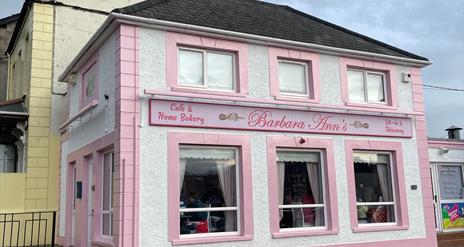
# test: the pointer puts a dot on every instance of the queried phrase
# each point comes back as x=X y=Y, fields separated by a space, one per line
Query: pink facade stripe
x=388 y=69
x=424 y=163
x=246 y=202
x=444 y=143
x=330 y=188
x=311 y=59
x=126 y=141
x=176 y=40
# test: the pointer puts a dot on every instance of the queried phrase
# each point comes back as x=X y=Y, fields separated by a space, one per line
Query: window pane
x=375 y=214
x=451 y=182
x=106 y=224
x=300 y=183
x=7 y=158
x=292 y=78
x=90 y=83
x=356 y=85
x=373 y=177
x=107 y=168
x=215 y=221
x=190 y=67
x=208 y=181
x=220 y=71
x=301 y=217
x=375 y=88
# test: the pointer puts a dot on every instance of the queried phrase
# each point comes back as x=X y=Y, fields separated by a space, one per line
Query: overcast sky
x=432 y=28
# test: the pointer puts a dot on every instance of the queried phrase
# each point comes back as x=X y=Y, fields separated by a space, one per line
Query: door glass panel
x=451 y=182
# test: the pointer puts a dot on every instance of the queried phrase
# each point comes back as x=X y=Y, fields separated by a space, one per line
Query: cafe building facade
x=195 y=129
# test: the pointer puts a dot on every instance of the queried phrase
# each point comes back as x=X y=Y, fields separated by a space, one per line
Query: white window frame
x=106 y=212
x=205 y=69
x=4 y=159
x=237 y=208
x=366 y=95
x=306 y=71
x=324 y=194
x=393 y=182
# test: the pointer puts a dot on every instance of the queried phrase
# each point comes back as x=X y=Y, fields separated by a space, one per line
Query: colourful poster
x=453 y=215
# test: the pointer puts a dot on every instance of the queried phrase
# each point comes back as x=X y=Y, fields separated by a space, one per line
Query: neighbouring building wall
x=154 y=155
x=41 y=189
x=101 y=5
x=6 y=31
x=20 y=61
x=95 y=124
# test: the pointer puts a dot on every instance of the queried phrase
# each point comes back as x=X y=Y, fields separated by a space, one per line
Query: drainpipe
x=8 y=77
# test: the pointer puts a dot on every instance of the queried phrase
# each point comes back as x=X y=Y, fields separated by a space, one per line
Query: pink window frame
x=390 y=82
x=240 y=50
x=313 y=73
x=175 y=139
x=274 y=142
x=88 y=66
x=395 y=148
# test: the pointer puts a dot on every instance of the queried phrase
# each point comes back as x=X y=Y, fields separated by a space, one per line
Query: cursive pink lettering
x=263 y=119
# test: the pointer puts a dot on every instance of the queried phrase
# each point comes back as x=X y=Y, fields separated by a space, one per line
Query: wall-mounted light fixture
x=443 y=150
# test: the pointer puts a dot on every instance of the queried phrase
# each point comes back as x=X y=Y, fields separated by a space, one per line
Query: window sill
x=103 y=242
x=205 y=91
x=380 y=228
x=371 y=105
x=304 y=99
x=213 y=239
x=301 y=233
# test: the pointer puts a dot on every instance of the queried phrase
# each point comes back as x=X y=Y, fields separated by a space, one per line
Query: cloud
x=434 y=29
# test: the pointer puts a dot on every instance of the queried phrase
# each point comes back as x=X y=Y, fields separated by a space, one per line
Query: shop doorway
x=448 y=190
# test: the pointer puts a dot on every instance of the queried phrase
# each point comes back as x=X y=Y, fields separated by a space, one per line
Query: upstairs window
x=89 y=84
x=207 y=69
x=366 y=86
x=293 y=78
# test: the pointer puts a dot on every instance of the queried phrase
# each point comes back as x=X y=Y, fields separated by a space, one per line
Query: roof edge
x=167 y=25
x=9 y=19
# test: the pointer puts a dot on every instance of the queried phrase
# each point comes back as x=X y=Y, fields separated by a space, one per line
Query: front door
x=448 y=187
x=73 y=205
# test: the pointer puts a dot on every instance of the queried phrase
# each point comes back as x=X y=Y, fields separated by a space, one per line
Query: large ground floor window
x=300 y=188
x=208 y=189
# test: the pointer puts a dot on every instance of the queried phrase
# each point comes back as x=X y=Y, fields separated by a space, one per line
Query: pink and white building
x=208 y=135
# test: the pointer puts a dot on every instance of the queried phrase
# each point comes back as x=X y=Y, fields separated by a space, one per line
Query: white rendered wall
x=153 y=164
x=96 y=123
x=453 y=156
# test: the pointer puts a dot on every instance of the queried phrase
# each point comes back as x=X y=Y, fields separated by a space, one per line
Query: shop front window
x=209 y=191
x=300 y=188
x=375 y=200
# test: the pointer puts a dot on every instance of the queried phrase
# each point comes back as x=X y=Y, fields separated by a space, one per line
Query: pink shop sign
x=206 y=115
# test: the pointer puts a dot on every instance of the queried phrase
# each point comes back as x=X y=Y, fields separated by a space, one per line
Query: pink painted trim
x=402 y=221
x=211 y=240
x=88 y=66
x=315 y=106
x=444 y=143
x=311 y=59
x=274 y=142
x=416 y=242
x=388 y=69
x=76 y=158
x=246 y=206
x=127 y=137
x=174 y=40
x=424 y=163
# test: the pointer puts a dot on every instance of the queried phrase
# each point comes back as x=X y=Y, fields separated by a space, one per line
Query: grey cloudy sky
x=432 y=28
